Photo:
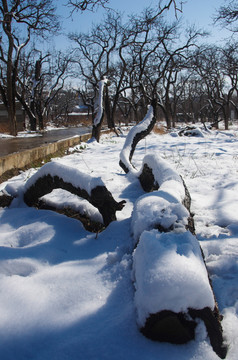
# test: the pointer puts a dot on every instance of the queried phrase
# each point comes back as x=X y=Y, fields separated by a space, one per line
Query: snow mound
x=27 y=235
x=169 y=274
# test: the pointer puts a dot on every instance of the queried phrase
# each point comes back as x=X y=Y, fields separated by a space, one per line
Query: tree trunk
x=96 y=130
x=108 y=112
x=11 y=87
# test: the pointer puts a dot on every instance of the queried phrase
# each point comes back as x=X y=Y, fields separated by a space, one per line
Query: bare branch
x=227 y=15
x=83 y=5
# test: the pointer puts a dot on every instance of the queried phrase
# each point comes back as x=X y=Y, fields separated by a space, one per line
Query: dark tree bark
x=100 y=197
x=5 y=199
x=96 y=130
x=168 y=326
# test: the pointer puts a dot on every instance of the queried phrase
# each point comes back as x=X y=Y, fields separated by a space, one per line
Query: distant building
x=80 y=115
x=4 y=123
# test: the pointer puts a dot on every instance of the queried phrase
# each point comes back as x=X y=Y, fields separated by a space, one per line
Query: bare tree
x=94 y=57
x=83 y=5
x=227 y=15
x=20 y=20
x=39 y=82
x=126 y=55
x=217 y=68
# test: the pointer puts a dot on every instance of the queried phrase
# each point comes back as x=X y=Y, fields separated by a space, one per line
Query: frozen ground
x=66 y=293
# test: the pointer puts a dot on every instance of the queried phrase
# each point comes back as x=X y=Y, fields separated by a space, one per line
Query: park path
x=16 y=144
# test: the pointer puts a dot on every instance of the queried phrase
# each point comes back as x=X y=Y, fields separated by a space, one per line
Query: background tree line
x=148 y=57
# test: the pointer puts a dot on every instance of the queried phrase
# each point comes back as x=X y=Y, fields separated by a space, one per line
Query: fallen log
x=157 y=174
x=173 y=289
x=54 y=175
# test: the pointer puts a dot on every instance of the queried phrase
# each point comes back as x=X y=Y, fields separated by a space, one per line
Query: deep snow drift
x=67 y=293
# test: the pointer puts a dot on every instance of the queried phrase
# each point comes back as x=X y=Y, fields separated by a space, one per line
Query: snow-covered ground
x=66 y=293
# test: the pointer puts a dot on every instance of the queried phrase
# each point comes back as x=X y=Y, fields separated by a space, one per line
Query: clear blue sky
x=198 y=12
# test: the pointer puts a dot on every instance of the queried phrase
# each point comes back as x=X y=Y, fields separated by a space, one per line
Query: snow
x=69 y=174
x=67 y=293
x=99 y=114
x=169 y=274
x=68 y=200
x=166 y=177
x=158 y=208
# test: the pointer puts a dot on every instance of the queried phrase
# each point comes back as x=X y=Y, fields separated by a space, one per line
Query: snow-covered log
x=54 y=175
x=98 y=118
x=192 y=131
x=173 y=290
x=137 y=133
x=156 y=174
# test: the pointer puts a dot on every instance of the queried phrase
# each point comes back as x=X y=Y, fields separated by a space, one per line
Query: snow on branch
x=100 y=109
x=176 y=277
x=137 y=133
x=98 y=119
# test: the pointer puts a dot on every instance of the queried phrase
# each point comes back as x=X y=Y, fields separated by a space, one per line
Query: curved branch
x=137 y=133
x=53 y=176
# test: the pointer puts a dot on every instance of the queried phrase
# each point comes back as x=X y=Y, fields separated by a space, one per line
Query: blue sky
x=198 y=12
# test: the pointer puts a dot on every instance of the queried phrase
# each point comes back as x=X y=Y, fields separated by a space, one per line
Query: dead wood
x=100 y=197
x=5 y=200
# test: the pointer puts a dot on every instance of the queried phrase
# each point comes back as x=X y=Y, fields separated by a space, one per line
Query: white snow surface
x=68 y=294
x=169 y=274
x=68 y=200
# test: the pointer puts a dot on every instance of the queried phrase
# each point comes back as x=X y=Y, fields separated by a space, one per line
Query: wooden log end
x=179 y=328
x=168 y=326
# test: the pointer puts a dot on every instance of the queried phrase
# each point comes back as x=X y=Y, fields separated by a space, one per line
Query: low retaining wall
x=23 y=158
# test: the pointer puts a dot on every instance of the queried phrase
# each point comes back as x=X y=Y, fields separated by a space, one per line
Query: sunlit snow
x=66 y=293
